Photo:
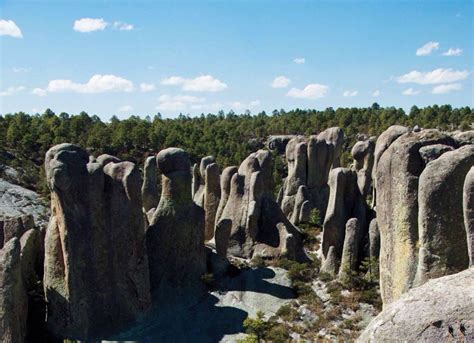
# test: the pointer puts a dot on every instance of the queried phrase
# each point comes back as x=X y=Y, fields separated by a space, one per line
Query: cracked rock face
x=95 y=238
x=442 y=310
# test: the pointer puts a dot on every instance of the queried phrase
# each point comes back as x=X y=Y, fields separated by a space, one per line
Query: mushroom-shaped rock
x=95 y=234
x=440 y=217
x=150 y=194
x=175 y=237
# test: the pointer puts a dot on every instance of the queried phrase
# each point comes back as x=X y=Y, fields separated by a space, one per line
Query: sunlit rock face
x=96 y=266
x=251 y=222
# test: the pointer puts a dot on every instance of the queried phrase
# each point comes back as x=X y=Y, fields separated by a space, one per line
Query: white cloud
x=119 y=25
x=350 y=93
x=9 y=28
x=177 y=102
x=299 y=60
x=439 y=75
x=281 y=82
x=20 y=70
x=237 y=105
x=12 y=90
x=376 y=93
x=147 y=87
x=39 y=92
x=89 y=25
x=427 y=49
x=203 y=83
x=453 y=52
x=410 y=91
x=443 y=89
x=125 y=108
x=96 y=84
x=311 y=91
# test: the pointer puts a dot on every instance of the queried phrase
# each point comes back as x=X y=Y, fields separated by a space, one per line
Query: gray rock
x=226 y=177
x=432 y=152
x=330 y=264
x=363 y=154
x=334 y=136
x=11 y=227
x=350 y=250
x=374 y=239
x=150 y=193
x=385 y=139
x=252 y=222
x=30 y=250
x=278 y=142
x=397 y=178
x=105 y=159
x=468 y=207
x=95 y=235
x=440 y=218
x=442 y=310
x=16 y=201
x=13 y=297
x=464 y=138
x=212 y=194
x=175 y=237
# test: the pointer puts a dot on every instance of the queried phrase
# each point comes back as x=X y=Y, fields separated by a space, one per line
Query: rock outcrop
x=468 y=208
x=309 y=161
x=363 y=154
x=251 y=222
x=441 y=230
x=95 y=238
x=397 y=180
x=175 y=237
x=150 y=193
x=350 y=249
x=13 y=296
x=374 y=239
x=442 y=310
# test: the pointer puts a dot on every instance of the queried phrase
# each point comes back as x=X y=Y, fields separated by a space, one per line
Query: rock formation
x=374 y=239
x=175 y=237
x=11 y=227
x=226 y=177
x=440 y=217
x=363 y=154
x=385 y=139
x=330 y=263
x=95 y=238
x=345 y=202
x=207 y=192
x=251 y=222
x=397 y=179
x=150 y=194
x=442 y=310
x=13 y=297
x=350 y=249
x=309 y=162
x=468 y=208
x=278 y=143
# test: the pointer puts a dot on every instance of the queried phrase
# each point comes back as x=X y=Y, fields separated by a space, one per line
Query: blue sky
x=143 y=57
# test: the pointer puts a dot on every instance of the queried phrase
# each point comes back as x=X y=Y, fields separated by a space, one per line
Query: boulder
x=226 y=177
x=441 y=231
x=374 y=239
x=442 y=310
x=150 y=193
x=350 y=249
x=278 y=142
x=397 y=177
x=95 y=237
x=330 y=264
x=13 y=297
x=175 y=237
x=363 y=154
x=335 y=137
x=468 y=208
x=432 y=152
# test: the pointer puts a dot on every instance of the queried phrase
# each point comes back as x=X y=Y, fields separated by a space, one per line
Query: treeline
x=230 y=137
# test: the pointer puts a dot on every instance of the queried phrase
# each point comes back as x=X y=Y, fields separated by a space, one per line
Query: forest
x=229 y=137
